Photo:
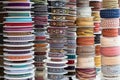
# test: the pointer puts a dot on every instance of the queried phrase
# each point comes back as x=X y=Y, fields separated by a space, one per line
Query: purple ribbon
x=18 y=4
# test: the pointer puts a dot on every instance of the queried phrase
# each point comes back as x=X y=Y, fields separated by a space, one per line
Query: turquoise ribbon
x=18 y=19
x=18 y=75
x=19 y=14
x=71 y=56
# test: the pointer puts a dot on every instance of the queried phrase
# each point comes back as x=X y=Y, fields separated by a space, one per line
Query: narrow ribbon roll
x=96 y=15
x=97 y=49
x=97 y=61
x=97 y=38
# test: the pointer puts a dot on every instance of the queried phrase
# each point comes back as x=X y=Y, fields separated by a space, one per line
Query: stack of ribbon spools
x=18 y=41
x=2 y=15
x=40 y=24
x=85 y=42
x=56 y=60
x=119 y=19
x=110 y=40
x=96 y=6
x=71 y=37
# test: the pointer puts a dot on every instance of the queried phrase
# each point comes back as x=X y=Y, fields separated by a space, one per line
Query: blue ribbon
x=18 y=19
x=110 y=13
